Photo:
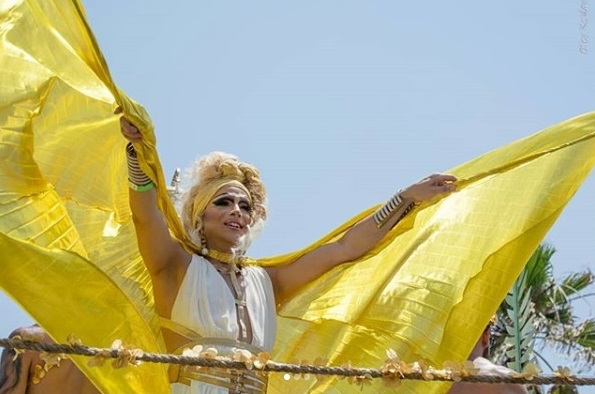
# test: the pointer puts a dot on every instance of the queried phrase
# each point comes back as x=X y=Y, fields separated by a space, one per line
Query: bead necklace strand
x=238 y=290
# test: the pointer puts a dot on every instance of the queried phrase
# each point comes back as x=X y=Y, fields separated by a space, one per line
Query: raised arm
x=358 y=240
x=161 y=253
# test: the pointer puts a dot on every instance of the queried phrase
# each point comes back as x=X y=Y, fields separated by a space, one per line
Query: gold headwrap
x=208 y=191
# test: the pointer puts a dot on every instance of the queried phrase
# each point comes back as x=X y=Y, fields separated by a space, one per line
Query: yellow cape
x=69 y=254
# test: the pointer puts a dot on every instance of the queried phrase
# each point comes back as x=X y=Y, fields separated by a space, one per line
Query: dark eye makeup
x=225 y=201
x=222 y=201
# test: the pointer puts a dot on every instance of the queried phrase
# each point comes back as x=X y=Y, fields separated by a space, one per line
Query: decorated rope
x=393 y=370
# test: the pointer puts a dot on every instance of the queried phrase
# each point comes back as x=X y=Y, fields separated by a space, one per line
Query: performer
x=480 y=357
x=56 y=107
x=33 y=372
x=213 y=295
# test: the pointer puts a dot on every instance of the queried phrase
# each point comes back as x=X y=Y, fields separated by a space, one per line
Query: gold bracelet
x=137 y=179
x=385 y=212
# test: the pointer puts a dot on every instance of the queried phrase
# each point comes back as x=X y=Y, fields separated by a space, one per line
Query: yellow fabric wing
x=70 y=256
x=430 y=288
x=68 y=246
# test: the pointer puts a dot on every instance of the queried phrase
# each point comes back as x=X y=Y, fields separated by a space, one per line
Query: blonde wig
x=209 y=174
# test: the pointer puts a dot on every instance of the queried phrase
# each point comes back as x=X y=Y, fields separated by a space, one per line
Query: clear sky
x=341 y=103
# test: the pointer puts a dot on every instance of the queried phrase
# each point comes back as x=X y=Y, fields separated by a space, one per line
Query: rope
x=390 y=372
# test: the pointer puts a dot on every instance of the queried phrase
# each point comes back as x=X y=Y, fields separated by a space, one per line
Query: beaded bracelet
x=385 y=212
x=137 y=179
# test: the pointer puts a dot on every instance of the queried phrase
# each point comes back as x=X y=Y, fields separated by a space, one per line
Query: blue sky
x=340 y=103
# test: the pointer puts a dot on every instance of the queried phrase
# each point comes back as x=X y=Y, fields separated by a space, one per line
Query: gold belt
x=237 y=381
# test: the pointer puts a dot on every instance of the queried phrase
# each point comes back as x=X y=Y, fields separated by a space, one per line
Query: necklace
x=227 y=258
x=224 y=268
x=228 y=264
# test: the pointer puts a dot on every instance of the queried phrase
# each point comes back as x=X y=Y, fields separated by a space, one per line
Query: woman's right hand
x=129 y=130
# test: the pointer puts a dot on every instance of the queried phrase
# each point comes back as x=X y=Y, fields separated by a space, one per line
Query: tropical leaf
x=576 y=341
x=539 y=270
x=521 y=330
x=586 y=334
x=547 y=303
x=576 y=282
x=563 y=389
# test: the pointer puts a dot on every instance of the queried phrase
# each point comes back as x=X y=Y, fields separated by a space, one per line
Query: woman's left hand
x=429 y=187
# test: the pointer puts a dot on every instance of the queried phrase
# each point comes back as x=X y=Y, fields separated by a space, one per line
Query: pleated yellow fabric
x=68 y=247
x=432 y=285
x=69 y=254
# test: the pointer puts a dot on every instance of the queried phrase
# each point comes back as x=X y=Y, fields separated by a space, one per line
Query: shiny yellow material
x=69 y=254
x=430 y=288
x=67 y=242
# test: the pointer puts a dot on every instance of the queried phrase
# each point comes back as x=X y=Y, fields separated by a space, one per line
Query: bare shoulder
x=31 y=333
x=29 y=373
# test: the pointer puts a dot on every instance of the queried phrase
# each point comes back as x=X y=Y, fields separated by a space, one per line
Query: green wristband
x=141 y=188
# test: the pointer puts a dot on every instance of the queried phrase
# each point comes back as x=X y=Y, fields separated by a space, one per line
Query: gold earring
x=203 y=243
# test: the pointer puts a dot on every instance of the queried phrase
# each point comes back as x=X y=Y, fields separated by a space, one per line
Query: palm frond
x=521 y=332
x=538 y=313
x=563 y=389
x=576 y=342
x=539 y=268
x=576 y=282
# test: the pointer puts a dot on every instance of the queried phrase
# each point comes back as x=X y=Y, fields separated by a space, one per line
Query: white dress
x=206 y=305
x=486 y=367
